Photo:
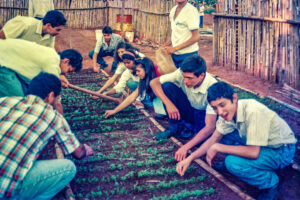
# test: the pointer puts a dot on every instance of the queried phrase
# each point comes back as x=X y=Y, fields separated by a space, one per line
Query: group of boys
x=32 y=74
x=256 y=140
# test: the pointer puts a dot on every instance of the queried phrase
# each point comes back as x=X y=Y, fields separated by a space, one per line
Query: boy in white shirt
x=263 y=144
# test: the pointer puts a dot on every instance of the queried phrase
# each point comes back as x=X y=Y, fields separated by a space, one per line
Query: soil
x=89 y=131
x=128 y=163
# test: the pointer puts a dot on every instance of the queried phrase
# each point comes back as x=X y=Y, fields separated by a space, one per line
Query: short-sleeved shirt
x=114 y=41
x=123 y=80
x=259 y=125
x=121 y=68
x=27 y=28
x=201 y=10
x=186 y=21
x=39 y=8
x=196 y=96
x=26 y=125
x=28 y=58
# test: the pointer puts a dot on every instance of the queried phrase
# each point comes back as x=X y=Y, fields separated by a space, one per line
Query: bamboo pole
x=297 y=22
x=60 y=155
x=117 y=100
x=122 y=18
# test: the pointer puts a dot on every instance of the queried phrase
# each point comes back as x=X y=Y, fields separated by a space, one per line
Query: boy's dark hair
x=74 y=56
x=125 y=46
x=194 y=64
x=107 y=30
x=219 y=90
x=129 y=56
x=55 y=18
x=144 y=84
x=43 y=84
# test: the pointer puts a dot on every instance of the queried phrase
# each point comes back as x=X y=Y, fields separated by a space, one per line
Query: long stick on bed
x=94 y=93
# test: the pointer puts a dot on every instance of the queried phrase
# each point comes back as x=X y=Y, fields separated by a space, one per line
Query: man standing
x=183 y=43
x=256 y=140
x=183 y=93
x=201 y=14
x=27 y=125
x=31 y=29
x=105 y=46
x=39 y=8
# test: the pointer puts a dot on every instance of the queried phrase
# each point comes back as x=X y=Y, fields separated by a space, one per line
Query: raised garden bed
x=128 y=163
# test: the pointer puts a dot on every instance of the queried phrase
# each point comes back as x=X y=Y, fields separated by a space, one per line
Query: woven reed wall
x=261 y=38
x=149 y=17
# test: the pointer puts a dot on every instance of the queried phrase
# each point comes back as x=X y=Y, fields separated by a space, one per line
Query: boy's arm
x=184 y=164
x=192 y=40
x=129 y=100
x=210 y=124
x=172 y=110
x=2 y=35
x=251 y=152
x=82 y=151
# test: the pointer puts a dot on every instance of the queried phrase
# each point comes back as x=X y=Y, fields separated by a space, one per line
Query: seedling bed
x=128 y=163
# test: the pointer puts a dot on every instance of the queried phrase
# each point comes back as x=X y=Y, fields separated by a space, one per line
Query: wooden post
x=122 y=18
x=215 y=41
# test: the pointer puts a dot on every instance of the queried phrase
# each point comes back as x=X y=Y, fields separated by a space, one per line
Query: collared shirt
x=28 y=58
x=26 y=125
x=123 y=80
x=259 y=125
x=121 y=68
x=39 y=8
x=186 y=21
x=201 y=10
x=114 y=41
x=27 y=28
x=196 y=96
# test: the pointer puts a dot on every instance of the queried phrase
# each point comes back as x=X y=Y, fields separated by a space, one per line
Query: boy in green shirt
x=28 y=28
x=21 y=60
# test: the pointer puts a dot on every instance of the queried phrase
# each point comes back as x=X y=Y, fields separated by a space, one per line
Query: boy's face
x=107 y=36
x=191 y=80
x=128 y=63
x=54 y=31
x=225 y=108
x=66 y=67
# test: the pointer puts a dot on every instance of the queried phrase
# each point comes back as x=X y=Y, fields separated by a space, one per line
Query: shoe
x=220 y=167
x=171 y=131
x=269 y=193
x=187 y=131
x=160 y=117
x=103 y=65
x=164 y=134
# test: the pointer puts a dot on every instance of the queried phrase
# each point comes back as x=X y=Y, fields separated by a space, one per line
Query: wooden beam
x=288 y=21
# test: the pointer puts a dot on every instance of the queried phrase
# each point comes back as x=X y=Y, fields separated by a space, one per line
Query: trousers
x=260 y=172
x=45 y=179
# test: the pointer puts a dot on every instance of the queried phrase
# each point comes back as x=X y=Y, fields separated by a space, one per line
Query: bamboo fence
x=261 y=38
x=149 y=17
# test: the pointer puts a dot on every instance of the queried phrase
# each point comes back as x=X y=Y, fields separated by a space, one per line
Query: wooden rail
x=289 y=21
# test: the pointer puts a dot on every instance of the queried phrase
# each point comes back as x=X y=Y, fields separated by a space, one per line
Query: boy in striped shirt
x=26 y=126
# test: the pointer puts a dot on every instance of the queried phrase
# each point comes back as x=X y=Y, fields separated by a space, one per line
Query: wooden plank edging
x=69 y=193
x=202 y=164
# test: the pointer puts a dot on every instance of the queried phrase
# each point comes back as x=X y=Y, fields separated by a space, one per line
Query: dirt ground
x=84 y=41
